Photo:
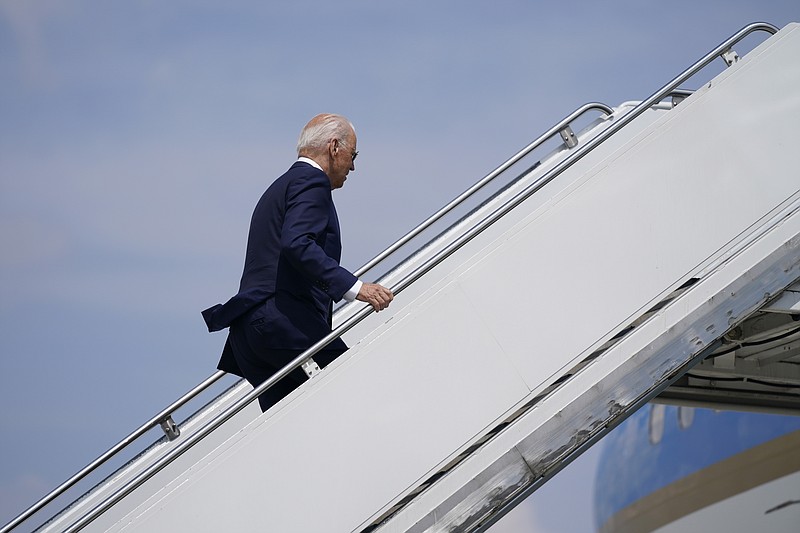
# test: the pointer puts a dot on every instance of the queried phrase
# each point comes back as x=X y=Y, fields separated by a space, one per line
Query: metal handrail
x=165 y=413
x=184 y=446
x=350 y=323
x=480 y=184
x=231 y=411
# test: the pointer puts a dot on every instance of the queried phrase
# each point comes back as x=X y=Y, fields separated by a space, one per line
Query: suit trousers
x=258 y=362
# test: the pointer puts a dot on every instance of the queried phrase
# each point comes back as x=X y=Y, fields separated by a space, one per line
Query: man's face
x=343 y=160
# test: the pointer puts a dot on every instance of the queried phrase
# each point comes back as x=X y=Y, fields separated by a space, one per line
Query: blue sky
x=136 y=137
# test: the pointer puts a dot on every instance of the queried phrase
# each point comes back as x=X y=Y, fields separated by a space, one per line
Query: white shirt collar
x=310 y=162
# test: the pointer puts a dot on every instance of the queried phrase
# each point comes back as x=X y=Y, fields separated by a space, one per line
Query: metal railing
x=164 y=417
x=670 y=89
x=560 y=127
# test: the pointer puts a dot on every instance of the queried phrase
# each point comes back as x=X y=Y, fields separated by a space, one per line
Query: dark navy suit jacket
x=291 y=271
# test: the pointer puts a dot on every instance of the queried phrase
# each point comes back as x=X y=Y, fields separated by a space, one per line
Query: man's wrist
x=353 y=292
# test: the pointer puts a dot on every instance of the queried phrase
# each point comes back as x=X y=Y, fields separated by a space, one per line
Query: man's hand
x=375 y=295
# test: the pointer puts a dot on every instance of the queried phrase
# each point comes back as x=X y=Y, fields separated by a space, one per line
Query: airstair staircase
x=641 y=246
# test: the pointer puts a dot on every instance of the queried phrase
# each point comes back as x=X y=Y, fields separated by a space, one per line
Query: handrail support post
x=310 y=367
x=170 y=428
x=729 y=56
x=568 y=136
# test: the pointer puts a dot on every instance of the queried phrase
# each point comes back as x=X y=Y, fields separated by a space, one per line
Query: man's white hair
x=320 y=130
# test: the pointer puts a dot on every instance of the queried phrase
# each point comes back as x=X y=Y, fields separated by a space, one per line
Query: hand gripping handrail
x=670 y=88
x=166 y=413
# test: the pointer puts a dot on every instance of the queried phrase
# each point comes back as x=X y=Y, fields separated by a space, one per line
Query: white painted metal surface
x=707 y=193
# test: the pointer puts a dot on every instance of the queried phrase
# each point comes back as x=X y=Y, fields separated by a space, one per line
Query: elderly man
x=291 y=272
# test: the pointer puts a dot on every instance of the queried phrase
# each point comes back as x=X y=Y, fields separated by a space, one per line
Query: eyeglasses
x=353 y=154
